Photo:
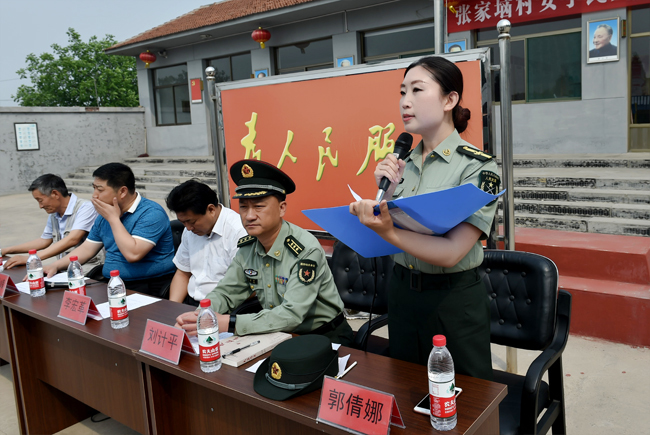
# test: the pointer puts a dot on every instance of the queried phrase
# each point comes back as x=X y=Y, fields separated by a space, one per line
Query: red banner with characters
x=328 y=133
x=479 y=14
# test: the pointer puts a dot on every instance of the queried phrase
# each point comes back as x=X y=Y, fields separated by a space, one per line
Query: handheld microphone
x=402 y=147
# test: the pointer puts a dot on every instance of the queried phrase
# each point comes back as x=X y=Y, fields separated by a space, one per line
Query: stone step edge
x=604 y=226
x=584 y=204
x=597 y=311
x=608 y=257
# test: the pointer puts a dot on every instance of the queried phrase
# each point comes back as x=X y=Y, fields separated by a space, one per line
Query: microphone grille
x=404 y=141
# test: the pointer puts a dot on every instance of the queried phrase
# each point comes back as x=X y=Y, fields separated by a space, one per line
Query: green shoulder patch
x=246 y=240
x=473 y=152
x=489 y=182
x=294 y=246
x=307 y=271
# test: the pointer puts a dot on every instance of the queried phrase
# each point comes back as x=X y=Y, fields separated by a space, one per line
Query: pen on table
x=345 y=372
x=241 y=348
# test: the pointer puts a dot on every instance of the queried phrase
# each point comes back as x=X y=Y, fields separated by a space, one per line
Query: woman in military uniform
x=435 y=287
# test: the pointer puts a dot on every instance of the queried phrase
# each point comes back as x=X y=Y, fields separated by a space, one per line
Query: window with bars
x=398 y=42
x=172 y=95
x=545 y=62
x=231 y=68
x=305 y=56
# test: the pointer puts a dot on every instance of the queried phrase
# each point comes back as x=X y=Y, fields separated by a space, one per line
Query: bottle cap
x=115 y=273
x=439 y=340
x=205 y=303
x=32 y=251
x=74 y=258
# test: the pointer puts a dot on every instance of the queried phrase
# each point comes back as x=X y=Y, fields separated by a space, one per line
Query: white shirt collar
x=135 y=204
x=219 y=224
x=70 y=208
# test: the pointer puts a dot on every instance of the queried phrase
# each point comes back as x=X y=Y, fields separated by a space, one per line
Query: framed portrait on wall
x=603 y=40
x=345 y=61
x=26 y=136
x=455 y=46
x=261 y=73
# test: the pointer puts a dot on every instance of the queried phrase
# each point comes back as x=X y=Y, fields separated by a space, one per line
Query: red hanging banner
x=197 y=90
x=479 y=14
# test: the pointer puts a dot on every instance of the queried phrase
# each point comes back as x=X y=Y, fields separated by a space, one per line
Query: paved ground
x=606 y=384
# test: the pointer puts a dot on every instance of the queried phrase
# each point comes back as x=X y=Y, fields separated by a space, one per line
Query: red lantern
x=261 y=35
x=148 y=58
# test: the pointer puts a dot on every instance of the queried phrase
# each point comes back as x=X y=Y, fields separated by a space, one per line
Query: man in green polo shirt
x=282 y=263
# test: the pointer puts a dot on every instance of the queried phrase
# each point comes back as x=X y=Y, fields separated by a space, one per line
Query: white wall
x=69 y=137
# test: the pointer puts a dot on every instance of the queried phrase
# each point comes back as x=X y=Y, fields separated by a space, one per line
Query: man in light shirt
x=69 y=222
x=209 y=241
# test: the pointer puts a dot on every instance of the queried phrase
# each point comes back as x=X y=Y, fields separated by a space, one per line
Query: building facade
x=580 y=68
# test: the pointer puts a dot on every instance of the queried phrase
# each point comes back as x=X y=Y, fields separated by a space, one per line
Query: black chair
x=177 y=237
x=355 y=276
x=177 y=233
x=528 y=312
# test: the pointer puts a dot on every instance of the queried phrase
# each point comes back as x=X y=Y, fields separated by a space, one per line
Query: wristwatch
x=231 y=323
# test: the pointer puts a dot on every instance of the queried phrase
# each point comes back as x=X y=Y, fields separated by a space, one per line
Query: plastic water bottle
x=117 y=301
x=76 y=280
x=442 y=384
x=208 y=331
x=35 y=274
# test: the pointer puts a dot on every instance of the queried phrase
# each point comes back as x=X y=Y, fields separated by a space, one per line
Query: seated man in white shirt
x=209 y=241
x=70 y=219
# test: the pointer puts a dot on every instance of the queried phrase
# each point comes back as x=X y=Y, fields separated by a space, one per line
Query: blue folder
x=437 y=211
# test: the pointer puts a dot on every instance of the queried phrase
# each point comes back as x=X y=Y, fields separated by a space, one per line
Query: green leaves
x=79 y=74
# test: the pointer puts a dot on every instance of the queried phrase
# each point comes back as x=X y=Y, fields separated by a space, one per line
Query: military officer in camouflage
x=282 y=263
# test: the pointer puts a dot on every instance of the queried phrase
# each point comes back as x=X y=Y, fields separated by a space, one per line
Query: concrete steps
x=607 y=194
x=608 y=276
x=583 y=195
x=155 y=177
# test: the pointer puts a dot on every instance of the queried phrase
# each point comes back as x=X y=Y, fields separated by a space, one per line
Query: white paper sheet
x=61 y=278
x=133 y=302
x=343 y=361
x=23 y=287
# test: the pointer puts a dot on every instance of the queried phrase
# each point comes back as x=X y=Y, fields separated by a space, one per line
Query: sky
x=32 y=26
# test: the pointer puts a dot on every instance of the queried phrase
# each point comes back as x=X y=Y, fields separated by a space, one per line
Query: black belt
x=329 y=326
x=420 y=281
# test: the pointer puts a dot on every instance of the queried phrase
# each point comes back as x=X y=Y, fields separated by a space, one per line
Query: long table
x=64 y=371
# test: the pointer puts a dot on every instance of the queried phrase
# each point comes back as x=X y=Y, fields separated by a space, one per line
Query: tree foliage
x=79 y=74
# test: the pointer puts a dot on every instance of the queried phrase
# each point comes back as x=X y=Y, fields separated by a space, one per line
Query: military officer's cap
x=296 y=366
x=256 y=179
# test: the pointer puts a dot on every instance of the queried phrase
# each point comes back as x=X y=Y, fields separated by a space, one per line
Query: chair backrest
x=354 y=276
x=177 y=233
x=522 y=289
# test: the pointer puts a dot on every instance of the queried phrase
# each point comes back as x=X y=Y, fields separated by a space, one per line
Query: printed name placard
x=357 y=409
x=77 y=308
x=7 y=286
x=166 y=342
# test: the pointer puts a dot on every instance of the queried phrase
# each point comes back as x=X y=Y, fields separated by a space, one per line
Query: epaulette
x=294 y=246
x=473 y=152
x=246 y=240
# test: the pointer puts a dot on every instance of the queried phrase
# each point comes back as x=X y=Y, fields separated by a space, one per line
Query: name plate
x=357 y=409
x=77 y=308
x=165 y=342
x=7 y=286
